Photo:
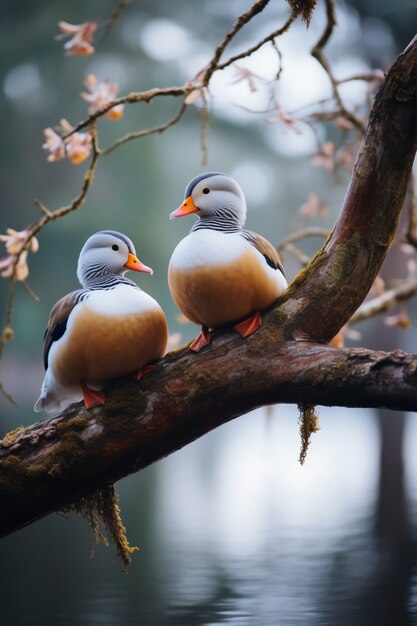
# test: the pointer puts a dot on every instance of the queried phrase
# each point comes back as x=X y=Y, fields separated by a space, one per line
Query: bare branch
x=317 y=53
x=256 y=8
x=269 y=38
x=139 y=96
x=298 y=254
x=146 y=131
x=108 y=26
x=387 y=300
x=312 y=231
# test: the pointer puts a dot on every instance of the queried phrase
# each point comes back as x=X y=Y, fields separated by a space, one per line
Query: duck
x=108 y=329
x=221 y=273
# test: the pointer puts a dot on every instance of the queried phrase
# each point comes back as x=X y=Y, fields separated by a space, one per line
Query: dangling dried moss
x=100 y=508
x=304 y=8
x=309 y=424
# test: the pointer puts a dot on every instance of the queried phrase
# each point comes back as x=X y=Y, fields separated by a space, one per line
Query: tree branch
x=385 y=301
x=325 y=295
x=56 y=461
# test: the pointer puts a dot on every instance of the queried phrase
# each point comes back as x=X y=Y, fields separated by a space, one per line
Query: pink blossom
x=343 y=123
x=100 y=94
x=243 y=74
x=15 y=263
x=346 y=332
x=195 y=95
x=345 y=157
x=324 y=156
x=284 y=118
x=76 y=147
x=54 y=144
x=81 y=38
x=15 y=240
x=314 y=207
x=377 y=288
x=398 y=320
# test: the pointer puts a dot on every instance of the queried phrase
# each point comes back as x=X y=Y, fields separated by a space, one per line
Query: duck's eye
x=206 y=190
x=115 y=247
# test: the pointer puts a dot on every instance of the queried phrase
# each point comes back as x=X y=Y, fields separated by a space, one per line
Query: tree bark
x=54 y=462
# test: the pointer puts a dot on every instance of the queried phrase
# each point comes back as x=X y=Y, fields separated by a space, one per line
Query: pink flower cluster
x=76 y=147
x=17 y=245
x=99 y=94
x=81 y=38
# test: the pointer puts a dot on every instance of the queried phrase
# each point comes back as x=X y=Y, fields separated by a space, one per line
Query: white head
x=214 y=197
x=107 y=252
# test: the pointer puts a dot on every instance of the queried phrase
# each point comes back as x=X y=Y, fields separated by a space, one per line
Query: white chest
x=120 y=301
x=206 y=247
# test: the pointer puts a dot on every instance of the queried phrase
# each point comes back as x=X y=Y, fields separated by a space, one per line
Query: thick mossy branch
x=60 y=460
x=328 y=291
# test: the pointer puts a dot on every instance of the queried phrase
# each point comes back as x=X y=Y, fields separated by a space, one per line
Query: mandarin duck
x=221 y=273
x=108 y=329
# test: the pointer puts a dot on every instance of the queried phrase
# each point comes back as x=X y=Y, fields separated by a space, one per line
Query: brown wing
x=58 y=319
x=266 y=249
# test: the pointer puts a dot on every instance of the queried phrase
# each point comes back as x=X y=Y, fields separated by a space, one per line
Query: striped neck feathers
x=98 y=276
x=225 y=219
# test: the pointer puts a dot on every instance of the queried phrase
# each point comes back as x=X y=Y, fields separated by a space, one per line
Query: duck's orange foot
x=92 y=397
x=247 y=327
x=142 y=372
x=203 y=340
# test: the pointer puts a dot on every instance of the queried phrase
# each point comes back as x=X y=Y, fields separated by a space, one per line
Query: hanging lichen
x=100 y=509
x=305 y=8
x=309 y=424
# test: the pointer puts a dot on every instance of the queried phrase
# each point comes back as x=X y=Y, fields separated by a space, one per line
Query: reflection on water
x=232 y=530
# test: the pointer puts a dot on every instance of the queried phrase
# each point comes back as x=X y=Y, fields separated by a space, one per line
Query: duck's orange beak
x=186 y=208
x=134 y=264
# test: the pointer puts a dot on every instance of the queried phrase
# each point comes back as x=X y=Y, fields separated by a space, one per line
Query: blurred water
x=233 y=531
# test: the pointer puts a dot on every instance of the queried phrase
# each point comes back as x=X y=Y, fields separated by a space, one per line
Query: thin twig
x=135 y=96
x=42 y=208
x=205 y=125
x=31 y=292
x=298 y=254
x=271 y=38
x=7 y=395
x=387 y=300
x=7 y=332
x=279 y=55
x=317 y=53
x=108 y=26
x=312 y=231
x=287 y=244
x=256 y=8
x=147 y=131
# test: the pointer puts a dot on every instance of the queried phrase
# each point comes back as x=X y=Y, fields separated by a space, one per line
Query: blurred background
x=231 y=529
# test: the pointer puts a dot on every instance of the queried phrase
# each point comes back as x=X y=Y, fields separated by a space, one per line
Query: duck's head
x=213 y=194
x=108 y=251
